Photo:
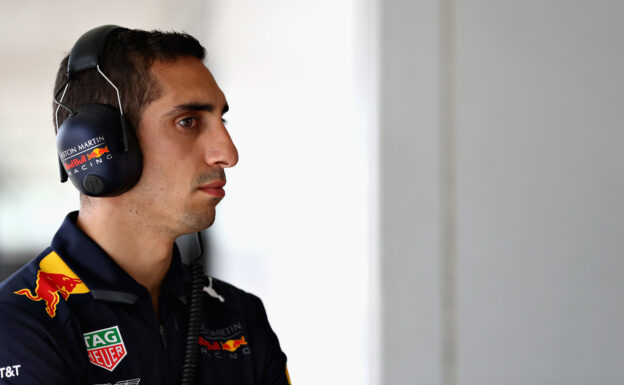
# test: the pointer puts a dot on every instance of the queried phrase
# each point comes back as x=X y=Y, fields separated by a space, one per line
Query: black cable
x=195 y=312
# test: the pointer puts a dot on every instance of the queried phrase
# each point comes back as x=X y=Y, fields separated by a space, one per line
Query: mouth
x=214 y=188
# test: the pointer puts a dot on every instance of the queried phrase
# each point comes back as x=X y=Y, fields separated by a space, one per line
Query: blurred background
x=428 y=192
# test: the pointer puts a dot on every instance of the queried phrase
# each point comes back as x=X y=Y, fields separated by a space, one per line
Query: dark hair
x=126 y=61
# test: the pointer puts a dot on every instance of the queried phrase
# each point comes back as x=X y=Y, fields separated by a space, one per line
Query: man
x=108 y=302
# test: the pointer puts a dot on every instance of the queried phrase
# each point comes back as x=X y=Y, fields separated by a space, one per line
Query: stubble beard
x=197 y=220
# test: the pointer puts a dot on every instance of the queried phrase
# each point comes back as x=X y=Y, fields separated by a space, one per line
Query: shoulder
x=236 y=300
x=33 y=342
x=24 y=278
x=263 y=341
x=27 y=298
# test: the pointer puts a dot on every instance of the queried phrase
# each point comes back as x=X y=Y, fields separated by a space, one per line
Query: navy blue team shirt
x=73 y=316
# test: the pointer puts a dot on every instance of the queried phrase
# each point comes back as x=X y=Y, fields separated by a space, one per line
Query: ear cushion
x=91 y=148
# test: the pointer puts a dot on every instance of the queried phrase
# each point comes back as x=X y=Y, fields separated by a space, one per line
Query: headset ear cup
x=99 y=159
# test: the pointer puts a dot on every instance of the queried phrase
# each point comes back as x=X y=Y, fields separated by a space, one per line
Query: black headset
x=97 y=148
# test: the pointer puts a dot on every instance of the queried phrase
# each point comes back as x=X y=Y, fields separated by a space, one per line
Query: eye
x=189 y=122
x=224 y=121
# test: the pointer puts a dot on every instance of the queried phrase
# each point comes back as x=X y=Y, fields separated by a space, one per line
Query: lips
x=215 y=188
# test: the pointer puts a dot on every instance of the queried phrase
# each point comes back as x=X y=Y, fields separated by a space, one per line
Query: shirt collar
x=104 y=278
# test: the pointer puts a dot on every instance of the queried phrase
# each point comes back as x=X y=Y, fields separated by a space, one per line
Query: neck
x=139 y=248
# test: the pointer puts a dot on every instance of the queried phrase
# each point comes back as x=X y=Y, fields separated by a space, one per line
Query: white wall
x=296 y=225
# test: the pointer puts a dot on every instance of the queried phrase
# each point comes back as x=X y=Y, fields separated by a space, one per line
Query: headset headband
x=114 y=163
x=86 y=53
x=89 y=48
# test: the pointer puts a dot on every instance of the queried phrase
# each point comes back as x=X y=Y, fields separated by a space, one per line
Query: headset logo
x=75 y=162
x=85 y=161
x=86 y=155
x=98 y=152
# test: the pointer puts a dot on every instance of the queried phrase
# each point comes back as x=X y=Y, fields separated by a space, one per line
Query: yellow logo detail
x=54 y=277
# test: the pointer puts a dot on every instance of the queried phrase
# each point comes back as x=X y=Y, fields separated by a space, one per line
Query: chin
x=198 y=221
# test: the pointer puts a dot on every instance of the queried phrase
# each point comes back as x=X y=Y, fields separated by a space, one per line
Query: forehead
x=186 y=80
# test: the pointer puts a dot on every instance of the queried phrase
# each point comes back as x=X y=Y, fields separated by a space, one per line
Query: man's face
x=185 y=148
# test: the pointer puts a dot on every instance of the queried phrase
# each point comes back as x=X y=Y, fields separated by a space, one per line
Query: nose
x=221 y=151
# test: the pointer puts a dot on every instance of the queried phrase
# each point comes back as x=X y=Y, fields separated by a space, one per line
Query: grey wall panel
x=540 y=180
x=409 y=192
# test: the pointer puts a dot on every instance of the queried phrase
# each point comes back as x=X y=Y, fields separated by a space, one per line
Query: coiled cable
x=195 y=312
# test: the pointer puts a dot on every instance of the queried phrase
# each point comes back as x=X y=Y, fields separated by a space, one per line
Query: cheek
x=168 y=164
x=167 y=174
x=157 y=154
x=160 y=148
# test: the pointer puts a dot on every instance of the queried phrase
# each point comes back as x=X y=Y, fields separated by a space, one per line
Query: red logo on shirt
x=229 y=345
x=53 y=278
x=105 y=347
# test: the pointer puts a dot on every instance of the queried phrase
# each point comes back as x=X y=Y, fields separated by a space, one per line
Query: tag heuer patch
x=105 y=347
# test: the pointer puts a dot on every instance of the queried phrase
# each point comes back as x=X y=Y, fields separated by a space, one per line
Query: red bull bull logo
x=53 y=278
x=97 y=153
x=229 y=345
x=232 y=345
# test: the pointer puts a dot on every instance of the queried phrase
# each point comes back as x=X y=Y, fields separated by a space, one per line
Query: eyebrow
x=207 y=107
